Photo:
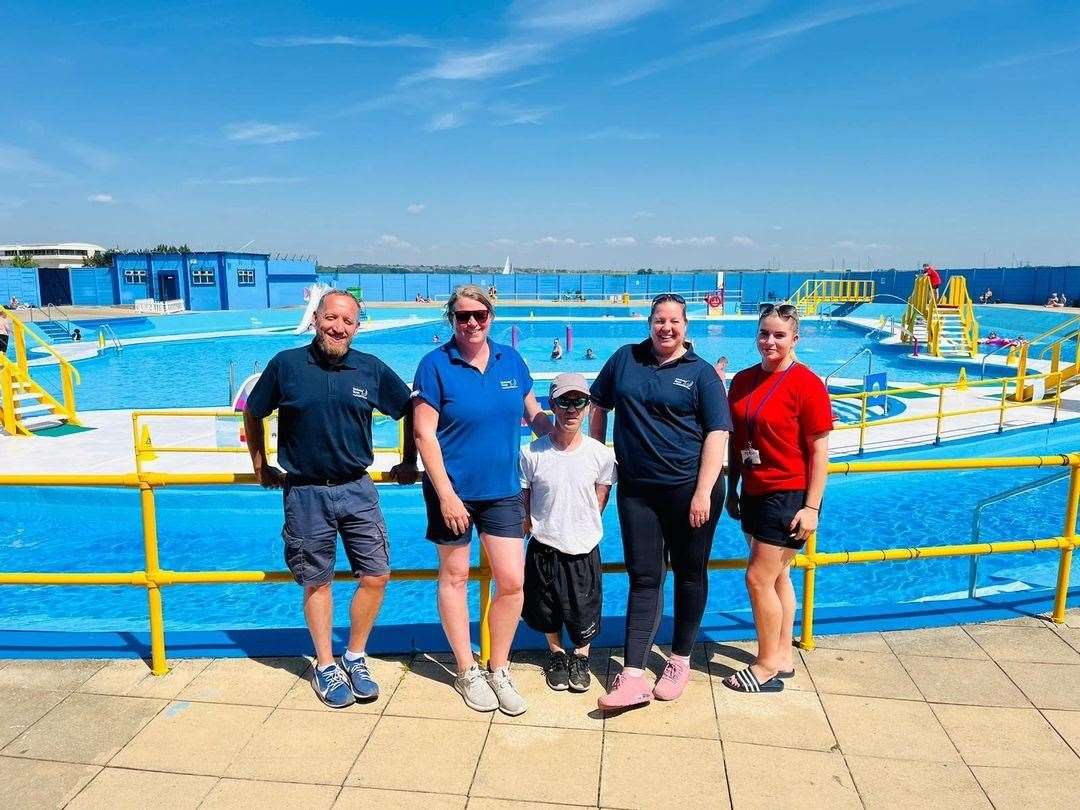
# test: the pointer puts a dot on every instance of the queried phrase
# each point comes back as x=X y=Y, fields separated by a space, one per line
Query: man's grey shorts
x=314 y=516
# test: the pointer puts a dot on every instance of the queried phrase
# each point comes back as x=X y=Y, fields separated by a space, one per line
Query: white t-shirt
x=562 y=485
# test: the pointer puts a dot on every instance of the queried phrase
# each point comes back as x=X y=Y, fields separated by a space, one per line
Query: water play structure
x=314 y=295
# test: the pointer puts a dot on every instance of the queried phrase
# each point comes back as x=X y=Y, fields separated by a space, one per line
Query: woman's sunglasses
x=785 y=311
x=678 y=299
x=481 y=316
x=566 y=403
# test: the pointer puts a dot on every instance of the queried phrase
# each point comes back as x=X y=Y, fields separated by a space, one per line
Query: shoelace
x=671 y=671
x=578 y=666
x=361 y=667
x=333 y=677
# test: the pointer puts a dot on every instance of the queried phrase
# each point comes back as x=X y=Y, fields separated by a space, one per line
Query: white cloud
x=416 y=208
x=263 y=133
x=850 y=245
x=570 y=18
x=620 y=134
x=555 y=240
x=644 y=215
x=93 y=156
x=407 y=41
x=104 y=199
x=1037 y=56
x=776 y=227
x=620 y=241
x=445 y=121
x=729 y=12
x=16 y=160
x=689 y=241
x=253 y=180
x=502 y=242
x=511 y=114
x=742 y=241
x=389 y=240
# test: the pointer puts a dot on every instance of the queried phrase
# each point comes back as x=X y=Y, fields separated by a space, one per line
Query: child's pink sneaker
x=672 y=681
x=626 y=691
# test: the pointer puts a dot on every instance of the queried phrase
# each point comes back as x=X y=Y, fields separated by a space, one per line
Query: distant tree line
x=105 y=257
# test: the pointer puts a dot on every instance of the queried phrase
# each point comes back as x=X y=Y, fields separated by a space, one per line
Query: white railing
x=148 y=306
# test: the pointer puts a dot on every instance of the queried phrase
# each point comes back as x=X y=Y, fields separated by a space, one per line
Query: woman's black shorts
x=563 y=590
x=767 y=517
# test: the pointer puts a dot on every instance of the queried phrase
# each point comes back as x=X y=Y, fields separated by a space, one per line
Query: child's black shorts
x=563 y=590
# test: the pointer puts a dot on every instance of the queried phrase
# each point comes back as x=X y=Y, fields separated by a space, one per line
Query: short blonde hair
x=473 y=293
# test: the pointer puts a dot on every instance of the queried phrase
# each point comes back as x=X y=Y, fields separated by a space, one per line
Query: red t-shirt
x=797 y=410
x=935 y=278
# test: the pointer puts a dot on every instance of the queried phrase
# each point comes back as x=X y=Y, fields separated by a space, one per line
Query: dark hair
x=664 y=298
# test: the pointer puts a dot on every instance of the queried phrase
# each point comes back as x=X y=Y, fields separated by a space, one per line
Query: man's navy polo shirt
x=324 y=409
x=479 y=429
x=662 y=413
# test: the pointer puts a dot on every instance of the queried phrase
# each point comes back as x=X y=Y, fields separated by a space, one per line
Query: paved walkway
x=973 y=716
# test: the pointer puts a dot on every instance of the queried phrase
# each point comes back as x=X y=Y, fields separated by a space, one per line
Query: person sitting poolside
x=987 y=297
x=76 y=334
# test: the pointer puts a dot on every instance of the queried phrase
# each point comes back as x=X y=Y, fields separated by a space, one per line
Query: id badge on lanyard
x=750 y=455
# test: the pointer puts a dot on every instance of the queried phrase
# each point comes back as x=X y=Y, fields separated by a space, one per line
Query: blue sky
x=603 y=134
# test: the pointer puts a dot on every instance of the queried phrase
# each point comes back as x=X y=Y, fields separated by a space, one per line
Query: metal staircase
x=25 y=405
x=946 y=327
x=815 y=292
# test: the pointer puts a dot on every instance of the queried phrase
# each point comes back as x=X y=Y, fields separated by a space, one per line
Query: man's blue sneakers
x=332 y=687
x=363 y=686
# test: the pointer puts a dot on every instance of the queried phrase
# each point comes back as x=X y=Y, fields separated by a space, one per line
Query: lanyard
x=752 y=418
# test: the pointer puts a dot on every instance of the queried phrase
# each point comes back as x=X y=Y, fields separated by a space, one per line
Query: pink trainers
x=626 y=691
x=672 y=681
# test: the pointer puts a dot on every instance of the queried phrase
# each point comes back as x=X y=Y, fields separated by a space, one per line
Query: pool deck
x=965 y=716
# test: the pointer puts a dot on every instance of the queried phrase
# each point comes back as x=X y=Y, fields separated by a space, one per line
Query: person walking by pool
x=566 y=478
x=780 y=455
x=5 y=333
x=671 y=429
x=470 y=395
x=325 y=393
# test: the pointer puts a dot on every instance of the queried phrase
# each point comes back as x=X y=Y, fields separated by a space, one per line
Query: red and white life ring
x=714 y=300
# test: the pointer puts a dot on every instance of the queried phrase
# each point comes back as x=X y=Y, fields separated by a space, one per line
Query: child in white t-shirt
x=566 y=477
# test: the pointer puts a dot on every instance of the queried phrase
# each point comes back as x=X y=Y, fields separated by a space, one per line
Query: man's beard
x=334 y=350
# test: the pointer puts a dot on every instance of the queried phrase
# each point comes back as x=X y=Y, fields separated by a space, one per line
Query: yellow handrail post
x=485 y=608
x=135 y=444
x=20 y=345
x=806 y=642
x=1001 y=406
x=69 y=392
x=862 y=421
x=7 y=391
x=1061 y=593
x=1057 y=402
x=940 y=413
x=158 y=664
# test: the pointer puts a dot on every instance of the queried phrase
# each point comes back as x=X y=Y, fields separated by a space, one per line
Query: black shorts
x=767 y=517
x=503 y=517
x=563 y=590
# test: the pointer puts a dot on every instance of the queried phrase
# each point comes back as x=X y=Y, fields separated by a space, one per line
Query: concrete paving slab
x=122 y=789
x=21 y=708
x=966 y=681
x=416 y=753
x=549 y=708
x=692 y=715
x=240 y=794
x=936 y=642
x=1021 y=643
x=728 y=657
x=544 y=764
x=1005 y=738
x=246 y=681
x=132 y=677
x=1048 y=686
x=387 y=672
x=853 y=642
x=199 y=738
x=49 y=675
x=891 y=784
x=89 y=729
x=39 y=784
x=790 y=719
x=1022 y=789
x=894 y=729
x=299 y=746
x=871 y=674
x=426 y=690
x=633 y=763
x=352 y=798
x=1067 y=724
x=799 y=778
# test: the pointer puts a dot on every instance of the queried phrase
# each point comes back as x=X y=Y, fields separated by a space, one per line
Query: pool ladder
x=976 y=519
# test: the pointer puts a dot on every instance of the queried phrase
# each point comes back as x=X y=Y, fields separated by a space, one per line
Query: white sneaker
x=510 y=702
x=474 y=689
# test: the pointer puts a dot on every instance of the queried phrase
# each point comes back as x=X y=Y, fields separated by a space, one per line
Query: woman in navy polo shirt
x=470 y=394
x=671 y=427
x=780 y=450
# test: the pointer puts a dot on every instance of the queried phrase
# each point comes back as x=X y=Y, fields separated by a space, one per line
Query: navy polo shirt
x=324 y=409
x=479 y=429
x=662 y=413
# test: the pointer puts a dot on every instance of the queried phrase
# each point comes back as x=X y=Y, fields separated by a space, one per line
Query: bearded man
x=325 y=394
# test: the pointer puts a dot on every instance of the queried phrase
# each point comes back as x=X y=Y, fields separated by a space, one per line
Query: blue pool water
x=194 y=373
x=238 y=528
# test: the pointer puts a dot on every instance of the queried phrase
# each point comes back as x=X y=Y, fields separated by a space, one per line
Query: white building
x=62 y=255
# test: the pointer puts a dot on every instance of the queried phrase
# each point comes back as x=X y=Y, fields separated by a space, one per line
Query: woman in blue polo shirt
x=470 y=394
x=671 y=428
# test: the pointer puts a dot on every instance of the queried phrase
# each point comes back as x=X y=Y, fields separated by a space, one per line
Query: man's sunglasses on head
x=567 y=402
x=481 y=316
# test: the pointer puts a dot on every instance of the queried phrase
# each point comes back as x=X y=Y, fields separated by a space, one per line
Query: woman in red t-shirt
x=780 y=450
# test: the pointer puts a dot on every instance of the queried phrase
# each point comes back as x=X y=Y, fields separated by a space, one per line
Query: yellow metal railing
x=815 y=292
x=153 y=577
x=922 y=303
x=15 y=378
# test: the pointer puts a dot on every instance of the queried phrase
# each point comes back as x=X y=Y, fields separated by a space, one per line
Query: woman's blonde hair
x=473 y=293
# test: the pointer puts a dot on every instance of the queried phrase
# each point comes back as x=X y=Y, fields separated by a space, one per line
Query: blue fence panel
x=657 y=283
x=638 y=286
x=592 y=285
x=682 y=283
x=704 y=283
x=504 y=285
x=416 y=284
x=524 y=286
x=459 y=280
x=394 y=287
x=547 y=287
x=438 y=285
x=569 y=283
x=753 y=287
x=482 y=280
x=615 y=285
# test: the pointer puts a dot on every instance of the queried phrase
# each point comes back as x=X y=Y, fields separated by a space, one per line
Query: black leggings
x=656 y=532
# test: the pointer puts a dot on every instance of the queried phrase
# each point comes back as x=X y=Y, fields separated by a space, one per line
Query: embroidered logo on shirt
x=359 y=393
x=508 y=385
x=687 y=384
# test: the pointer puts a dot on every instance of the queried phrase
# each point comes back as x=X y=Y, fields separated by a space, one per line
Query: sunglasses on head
x=568 y=402
x=785 y=311
x=660 y=299
x=481 y=316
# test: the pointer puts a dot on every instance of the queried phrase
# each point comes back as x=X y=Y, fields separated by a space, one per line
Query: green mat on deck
x=62 y=430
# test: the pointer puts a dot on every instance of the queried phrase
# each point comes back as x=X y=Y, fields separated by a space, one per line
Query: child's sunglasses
x=566 y=403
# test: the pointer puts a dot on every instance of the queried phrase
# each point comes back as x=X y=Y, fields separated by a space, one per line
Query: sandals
x=785 y=674
x=747 y=681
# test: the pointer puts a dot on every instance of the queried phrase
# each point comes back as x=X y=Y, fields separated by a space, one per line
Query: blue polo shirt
x=324 y=409
x=480 y=414
x=662 y=413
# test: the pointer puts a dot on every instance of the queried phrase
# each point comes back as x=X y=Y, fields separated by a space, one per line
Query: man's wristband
x=815 y=508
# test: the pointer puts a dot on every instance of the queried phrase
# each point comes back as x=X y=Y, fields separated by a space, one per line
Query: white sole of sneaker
x=476 y=707
x=518 y=713
x=559 y=687
x=579 y=689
